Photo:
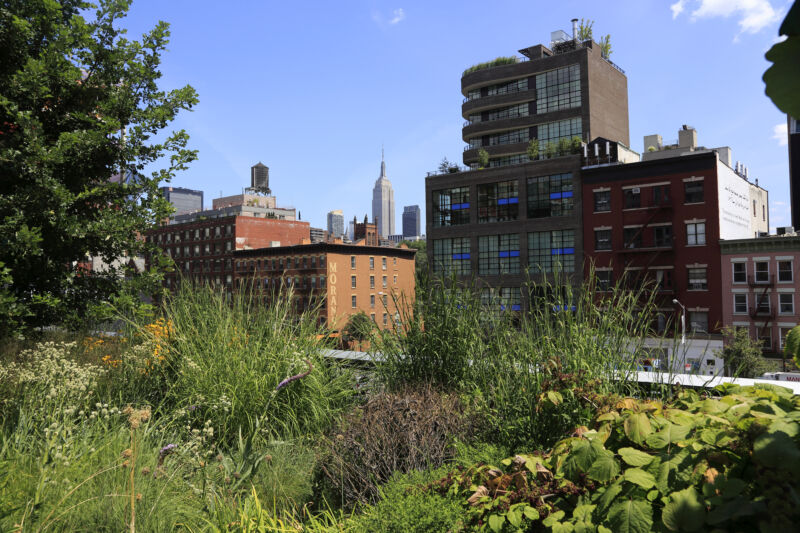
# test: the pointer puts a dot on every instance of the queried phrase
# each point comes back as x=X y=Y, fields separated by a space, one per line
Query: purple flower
x=192 y=407
x=166 y=450
x=286 y=381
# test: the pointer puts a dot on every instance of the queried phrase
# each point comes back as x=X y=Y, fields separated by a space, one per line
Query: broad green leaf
x=553 y=518
x=583 y=513
x=669 y=435
x=496 y=522
x=652 y=495
x=603 y=529
x=790 y=428
x=635 y=457
x=684 y=512
x=631 y=516
x=562 y=527
x=639 y=477
x=514 y=517
x=679 y=416
x=580 y=459
x=710 y=406
x=637 y=427
x=733 y=487
x=783 y=77
x=605 y=468
x=607 y=497
x=792 y=346
x=777 y=450
x=530 y=513
x=555 y=397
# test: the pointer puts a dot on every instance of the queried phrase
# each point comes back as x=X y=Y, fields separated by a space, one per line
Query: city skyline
x=688 y=62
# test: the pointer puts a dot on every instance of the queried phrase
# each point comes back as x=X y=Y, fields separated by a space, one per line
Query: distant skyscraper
x=259 y=178
x=336 y=223
x=383 y=203
x=183 y=200
x=411 y=221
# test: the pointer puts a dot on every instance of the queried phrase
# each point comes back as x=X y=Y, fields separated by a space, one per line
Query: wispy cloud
x=397 y=15
x=780 y=132
x=753 y=15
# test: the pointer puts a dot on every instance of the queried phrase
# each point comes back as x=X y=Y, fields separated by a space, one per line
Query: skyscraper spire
x=383 y=164
x=383 y=202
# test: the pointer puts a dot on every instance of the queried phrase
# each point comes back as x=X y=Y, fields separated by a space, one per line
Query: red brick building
x=662 y=220
x=203 y=249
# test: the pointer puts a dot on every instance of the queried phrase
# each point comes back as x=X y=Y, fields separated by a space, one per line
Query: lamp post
x=683 y=320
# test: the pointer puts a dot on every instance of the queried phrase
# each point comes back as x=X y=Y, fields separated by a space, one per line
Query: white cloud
x=754 y=15
x=397 y=15
x=677 y=8
x=780 y=133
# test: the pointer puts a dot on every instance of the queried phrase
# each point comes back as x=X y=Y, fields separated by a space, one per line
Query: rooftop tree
x=79 y=105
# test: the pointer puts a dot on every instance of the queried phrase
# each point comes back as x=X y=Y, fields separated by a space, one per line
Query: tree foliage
x=358 y=328
x=80 y=104
x=782 y=79
x=742 y=355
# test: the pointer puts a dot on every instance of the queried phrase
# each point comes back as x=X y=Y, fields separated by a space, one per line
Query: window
x=505 y=298
x=785 y=271
x=698 y=279
x=550 y=196
x=372 y=282
x=394 y=280
x=765 y=336
x=698 y=321
x=693 y=192
x=353 y=301
x=383 y=263
x=508 y=87
x=372 y=316
x=555 y=131
x=632 y=237
x=385 y=318
x=384 y=282
x=605 y=279
x=762 y=304
x=521 y=135
x=514 y=111
x=372 y=263
x=739 y=304
x=762 y=271
x=739 y=272
x=451 y=207
x=602 y=239
x=633 y=197
x=352 y=282
x=372 y=300
x=228 y=246
x=452 y=256
x=558 y=89
x=498 y=202
x=352 y=262
x=498 y=254
x=602 y=201
x=663 y=279
x=661 y=195
x=754 y=208
x=695 y=233
x=786 y=303
x=552 y=250
x=784 y=333
x=662 y=236
x=385 y=299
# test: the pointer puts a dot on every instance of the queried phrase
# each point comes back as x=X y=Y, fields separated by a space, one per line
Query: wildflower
x=295 y=377
x=126 y=453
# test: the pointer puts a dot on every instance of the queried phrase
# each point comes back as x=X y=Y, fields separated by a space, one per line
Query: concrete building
x=318 y=235
x=183 y=200
x=203 y=248
x=336 y=223
x=521 y=216
x=760 y=287
x=411 y=221
x=383 y=203
x=341 y=279
x=662 y=220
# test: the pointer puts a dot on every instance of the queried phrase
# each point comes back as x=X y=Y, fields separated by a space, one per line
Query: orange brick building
x=343 y=278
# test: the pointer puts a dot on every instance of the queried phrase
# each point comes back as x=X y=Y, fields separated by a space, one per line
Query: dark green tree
x=742 y=355
x=80 y=104
x=420 y=259
x=782 y=79
x=533 y=149
x=483 y=158
x=359 y=328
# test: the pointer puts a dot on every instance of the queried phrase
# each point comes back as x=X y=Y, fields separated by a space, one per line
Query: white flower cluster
x=49 y=369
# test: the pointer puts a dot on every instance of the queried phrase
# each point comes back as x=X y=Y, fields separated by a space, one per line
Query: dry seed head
x=126 y=453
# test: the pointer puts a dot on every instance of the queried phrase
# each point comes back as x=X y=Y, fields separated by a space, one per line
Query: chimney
x=575 y=29
x=687 y=137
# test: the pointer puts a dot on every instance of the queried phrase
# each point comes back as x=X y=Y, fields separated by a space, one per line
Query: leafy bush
x=697 y=463
x=413 y=429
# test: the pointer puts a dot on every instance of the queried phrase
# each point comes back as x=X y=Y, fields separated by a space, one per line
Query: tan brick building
x=348 y=278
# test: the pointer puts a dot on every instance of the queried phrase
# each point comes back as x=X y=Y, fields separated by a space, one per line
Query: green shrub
x=510 y=60
x=697 y=463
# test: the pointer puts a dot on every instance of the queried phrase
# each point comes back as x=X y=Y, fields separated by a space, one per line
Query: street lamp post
x=683 y=320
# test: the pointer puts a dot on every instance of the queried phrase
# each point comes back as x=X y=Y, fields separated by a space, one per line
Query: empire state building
x=383 y=203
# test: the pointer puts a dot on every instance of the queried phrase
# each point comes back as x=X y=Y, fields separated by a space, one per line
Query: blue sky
x=313 y=89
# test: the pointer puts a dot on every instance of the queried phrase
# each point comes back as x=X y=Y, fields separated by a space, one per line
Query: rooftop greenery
x=496 y=62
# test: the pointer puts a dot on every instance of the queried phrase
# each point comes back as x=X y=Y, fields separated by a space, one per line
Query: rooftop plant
x=496 y=62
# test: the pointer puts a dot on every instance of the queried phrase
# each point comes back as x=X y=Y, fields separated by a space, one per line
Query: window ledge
x=694 y=203
x=695 y=245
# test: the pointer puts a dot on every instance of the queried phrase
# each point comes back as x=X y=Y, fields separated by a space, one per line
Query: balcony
x=761 y=280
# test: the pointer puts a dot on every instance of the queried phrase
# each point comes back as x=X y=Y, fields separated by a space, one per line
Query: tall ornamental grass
x=538 y=374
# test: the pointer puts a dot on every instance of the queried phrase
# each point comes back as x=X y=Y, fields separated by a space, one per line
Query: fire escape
x=761 y=284
x=640 y=258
